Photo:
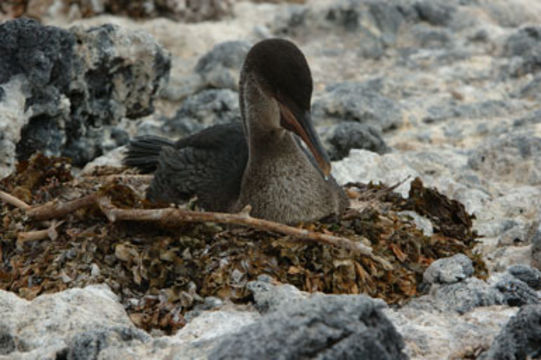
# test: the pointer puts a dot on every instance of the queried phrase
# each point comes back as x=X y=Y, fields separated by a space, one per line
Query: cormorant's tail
x=144 y=152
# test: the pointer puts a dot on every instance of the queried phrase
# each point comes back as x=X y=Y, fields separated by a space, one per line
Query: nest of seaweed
x=161 y=272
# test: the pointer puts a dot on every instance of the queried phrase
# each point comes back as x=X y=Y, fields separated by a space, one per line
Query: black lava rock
x=532 y=90
x=87 y=345
x=536 y=248
x=341 y=138
x=358 y=102
x=7 y=342
x=528 y=274
x=516 y=292
x=44 y=54
x=437 y=13
x=322 y=327
x=465 y=296
x=206 y=108
x=78 y=84
x=520 y=338
x=525 y=45
x=449 y=270
x=220 y=67
x=484 y=109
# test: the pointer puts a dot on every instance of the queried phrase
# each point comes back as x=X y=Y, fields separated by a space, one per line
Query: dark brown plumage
x=259 y=162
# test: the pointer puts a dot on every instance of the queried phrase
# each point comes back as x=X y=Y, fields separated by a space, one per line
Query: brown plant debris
x=180 y=10
x=160 y=270
x=174 y=217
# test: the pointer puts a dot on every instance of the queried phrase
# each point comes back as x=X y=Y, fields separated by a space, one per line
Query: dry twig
x=10 y=199
x=54 y=209
x=51 y=233
x=114 y=177
x=173 y=216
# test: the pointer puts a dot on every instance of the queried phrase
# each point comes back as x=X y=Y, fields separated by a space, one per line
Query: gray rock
x=465 y=295
x=520 y=337
x=510 y=14
x=388 y=19
x=180 y=87
x=210 y=303
x=522 y=41
x=206 y=108
x=89 y=344
x=429 y=37
x=340 y=138
x=292 y=20
x=358 y=102
x=348 y=14
x=525 y=46
x=532 y=90
x=532 y=118
x=529 y=275
x=44 y=63
x=7 y=341
x=449 y=270
x=75 y=86
x=220 y=67
x=75 y=324
x=516 y=235
x=366 y=166
x=514 y=155
x=437 y=13
x=479 y=110
x=375 y=23
x=322 y=327
x=354 y=15
x=269 y=297
x=436 y=335
x=516 y=292
x=460 y=297
x=536 y=248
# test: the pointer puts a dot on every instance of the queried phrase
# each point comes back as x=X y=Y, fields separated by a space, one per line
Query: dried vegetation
x=161 y=271
x=180 y=10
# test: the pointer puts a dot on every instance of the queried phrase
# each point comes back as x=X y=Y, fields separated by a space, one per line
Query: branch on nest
x=175 y=216
x=50 y=233
x=12 y=200
x=55 y=209
x=114 y=177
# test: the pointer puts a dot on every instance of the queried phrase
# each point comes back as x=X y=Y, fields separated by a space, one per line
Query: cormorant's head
x=281 y=72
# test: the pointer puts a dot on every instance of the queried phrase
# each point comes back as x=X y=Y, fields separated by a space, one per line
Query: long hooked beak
x=301 y=124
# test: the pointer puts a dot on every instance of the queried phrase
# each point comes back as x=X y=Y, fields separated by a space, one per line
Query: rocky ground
x=447 y=91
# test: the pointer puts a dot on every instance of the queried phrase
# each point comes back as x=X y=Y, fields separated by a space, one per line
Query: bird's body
x=260 y=162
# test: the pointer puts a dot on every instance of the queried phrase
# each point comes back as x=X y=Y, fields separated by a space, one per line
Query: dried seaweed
x=161 y=272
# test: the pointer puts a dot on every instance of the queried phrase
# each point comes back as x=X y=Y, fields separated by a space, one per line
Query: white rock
x=48 y=323
x=432 y=335
x=12 y=119
x=366 y=166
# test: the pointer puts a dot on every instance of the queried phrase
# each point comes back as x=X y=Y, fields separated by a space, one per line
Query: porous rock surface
x=65 y=91
x=323 y=327
x=77 y=323
x=88 y=324
x=519 y=338
x=444 y=90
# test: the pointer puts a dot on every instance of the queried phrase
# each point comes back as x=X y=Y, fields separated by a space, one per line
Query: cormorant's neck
x=261 y=119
